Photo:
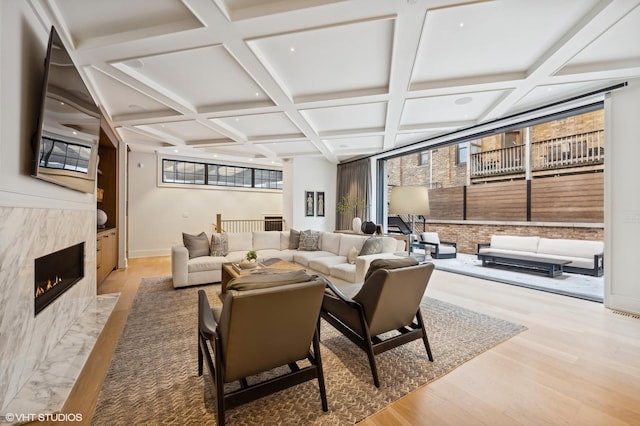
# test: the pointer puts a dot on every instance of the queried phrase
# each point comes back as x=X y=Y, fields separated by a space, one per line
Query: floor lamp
x=409 y=200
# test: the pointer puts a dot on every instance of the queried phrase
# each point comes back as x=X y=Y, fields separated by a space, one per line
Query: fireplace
x=56 y=273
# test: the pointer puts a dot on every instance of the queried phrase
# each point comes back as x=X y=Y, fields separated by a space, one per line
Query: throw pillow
x=219 y=244
x=197 y=245
x=351 y=256
x=309 y=240
x=294 y=239
x=390 y=264
x=372 y=245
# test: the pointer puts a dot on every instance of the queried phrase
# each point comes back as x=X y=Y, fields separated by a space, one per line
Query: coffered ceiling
x=266 y=80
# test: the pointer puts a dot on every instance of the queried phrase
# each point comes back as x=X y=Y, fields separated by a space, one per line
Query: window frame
x=241 y=176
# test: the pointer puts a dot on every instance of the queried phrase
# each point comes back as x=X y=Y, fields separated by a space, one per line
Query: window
x=186 y=172
x=424 y=157
x=462 y=153
x=511 y=139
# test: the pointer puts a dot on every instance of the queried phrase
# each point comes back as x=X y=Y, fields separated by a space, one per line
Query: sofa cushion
x=343 y=271
x=205 y=263
x=330 y=241
x=264 y=240
x=348 y=241
x=284 y=240
x=512 y=242
x=506 y=252
x=309 y=240
x=219 y=244
x=271 y=254
x=372 y=245
x=390 y=245
x=303 y=257
x=324 y=264
x=430 y=237
x=240 y=241
x=294 y=239
x=197 y=245
x=575 y=248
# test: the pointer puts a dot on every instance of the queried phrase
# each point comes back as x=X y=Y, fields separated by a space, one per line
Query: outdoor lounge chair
x=439 y=249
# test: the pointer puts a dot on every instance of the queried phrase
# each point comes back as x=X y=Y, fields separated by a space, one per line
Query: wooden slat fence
x=568 y=198
x=497 y=201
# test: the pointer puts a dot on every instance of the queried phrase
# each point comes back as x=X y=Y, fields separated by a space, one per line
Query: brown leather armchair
x=388 y=300
x=266 y=321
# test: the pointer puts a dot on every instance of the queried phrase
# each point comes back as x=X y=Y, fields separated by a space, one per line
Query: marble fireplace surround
x=27 y=340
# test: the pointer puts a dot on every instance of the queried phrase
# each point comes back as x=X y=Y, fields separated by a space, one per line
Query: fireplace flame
x=50 y=284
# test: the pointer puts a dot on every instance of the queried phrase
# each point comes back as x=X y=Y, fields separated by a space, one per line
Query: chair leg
x=219 y=385
x=318 y=362
x=425 y=339
x=368 y=348
x=200 y=357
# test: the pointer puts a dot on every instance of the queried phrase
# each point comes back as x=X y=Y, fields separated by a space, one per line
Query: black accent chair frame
x=374 y=345
x=209 y=340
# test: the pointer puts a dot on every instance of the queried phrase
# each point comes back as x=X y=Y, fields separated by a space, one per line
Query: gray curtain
x=354 y=180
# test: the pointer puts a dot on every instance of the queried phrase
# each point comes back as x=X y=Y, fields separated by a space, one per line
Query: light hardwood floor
x=577 y=364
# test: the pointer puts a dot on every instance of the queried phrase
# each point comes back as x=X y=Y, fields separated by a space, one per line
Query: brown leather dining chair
x=387 y=301
x=265 y=322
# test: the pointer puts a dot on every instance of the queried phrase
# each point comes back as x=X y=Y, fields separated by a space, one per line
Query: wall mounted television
x=65 y=143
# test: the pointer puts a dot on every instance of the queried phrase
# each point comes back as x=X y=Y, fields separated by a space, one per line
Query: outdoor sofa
x=585 y=256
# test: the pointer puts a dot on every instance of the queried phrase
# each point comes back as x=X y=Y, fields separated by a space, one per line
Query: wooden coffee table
x=232 y=270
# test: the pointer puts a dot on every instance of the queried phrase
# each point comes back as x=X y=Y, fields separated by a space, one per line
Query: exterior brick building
x=442 y=168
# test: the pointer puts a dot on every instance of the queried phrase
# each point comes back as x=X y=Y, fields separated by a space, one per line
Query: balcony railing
x=498 y=161
x=571 y=151
x=575 y=150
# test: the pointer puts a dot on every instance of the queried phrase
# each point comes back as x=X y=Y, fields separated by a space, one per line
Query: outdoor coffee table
x=232 y=270
x=554 y=267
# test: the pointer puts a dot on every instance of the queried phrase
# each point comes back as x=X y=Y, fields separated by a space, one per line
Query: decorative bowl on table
x=248 y=264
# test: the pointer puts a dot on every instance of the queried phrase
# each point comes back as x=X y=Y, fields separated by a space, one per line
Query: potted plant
x=250 y=261
x=351 y=204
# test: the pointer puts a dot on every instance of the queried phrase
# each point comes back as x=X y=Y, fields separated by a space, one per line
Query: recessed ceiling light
x=461 y=24
x=134 y=63
x=136 y=108
x=463 y=101
x=292 y=49
x=549 y=89
x=237 y=119
x=257 y=94
x=74 y=132
x=175 y=150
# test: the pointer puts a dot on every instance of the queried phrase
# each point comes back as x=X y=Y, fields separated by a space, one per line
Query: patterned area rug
x=153 y=377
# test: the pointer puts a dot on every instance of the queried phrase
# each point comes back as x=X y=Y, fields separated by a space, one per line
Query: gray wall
x=622 y=202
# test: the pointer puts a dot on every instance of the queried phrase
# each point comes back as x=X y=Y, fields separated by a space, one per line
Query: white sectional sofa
x=586 y=256
x=330 y=259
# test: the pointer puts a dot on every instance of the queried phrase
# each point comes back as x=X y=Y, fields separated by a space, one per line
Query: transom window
x=193 y=173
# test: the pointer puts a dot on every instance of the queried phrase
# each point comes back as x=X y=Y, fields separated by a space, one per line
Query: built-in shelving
x=107 y=201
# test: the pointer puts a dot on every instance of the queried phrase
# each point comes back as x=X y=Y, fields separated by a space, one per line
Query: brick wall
x=577 y=124
x=467 y=236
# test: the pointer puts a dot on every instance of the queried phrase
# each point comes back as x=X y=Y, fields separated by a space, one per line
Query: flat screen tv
x=65 y=143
